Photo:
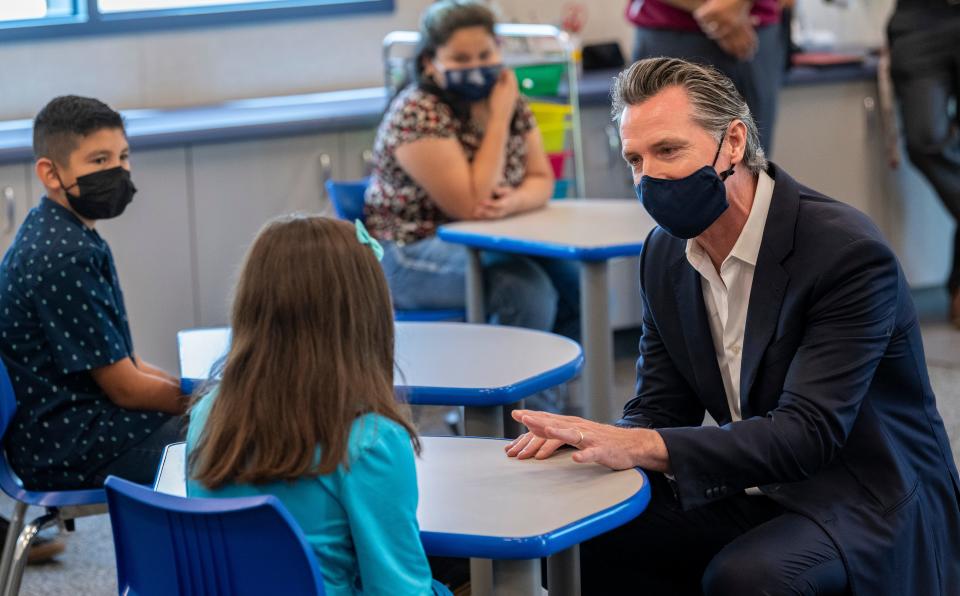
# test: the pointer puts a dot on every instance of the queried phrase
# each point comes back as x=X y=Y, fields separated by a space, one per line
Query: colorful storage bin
x=540 y=79
x=554 y=137
x=560 y=189
x=551 y=113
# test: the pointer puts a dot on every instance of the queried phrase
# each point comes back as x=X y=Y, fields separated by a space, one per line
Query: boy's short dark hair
x=61 y=124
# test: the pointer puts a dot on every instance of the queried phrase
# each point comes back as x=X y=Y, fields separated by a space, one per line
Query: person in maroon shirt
x=740 y=38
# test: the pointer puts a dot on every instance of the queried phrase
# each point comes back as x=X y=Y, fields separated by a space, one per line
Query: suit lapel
x=697 y=335
x=770 y=280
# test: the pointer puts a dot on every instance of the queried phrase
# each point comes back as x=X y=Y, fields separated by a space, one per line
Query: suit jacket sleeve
x=850 y=318
x=663 y=396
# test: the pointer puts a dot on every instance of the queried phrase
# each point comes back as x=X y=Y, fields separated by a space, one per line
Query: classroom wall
x=201 y=66
x=209 y=65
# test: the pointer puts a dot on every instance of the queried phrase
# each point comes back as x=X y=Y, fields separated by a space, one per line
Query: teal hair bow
x=364 y=237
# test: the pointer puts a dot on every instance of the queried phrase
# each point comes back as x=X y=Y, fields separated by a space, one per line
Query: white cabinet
x=608 y=177
x=151 y=244
x=237 y=188
x=356 y=154
x=16 y=199
x=828 y=137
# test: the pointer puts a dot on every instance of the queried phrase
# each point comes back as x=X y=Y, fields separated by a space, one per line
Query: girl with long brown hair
x=306 y=410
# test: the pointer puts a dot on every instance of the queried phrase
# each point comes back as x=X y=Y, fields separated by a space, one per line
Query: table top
x=437 y=363
x=583 y=230
x=477 y=502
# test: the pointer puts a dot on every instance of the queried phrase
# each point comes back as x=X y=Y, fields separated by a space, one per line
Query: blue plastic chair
x=347 y=199
x=61 y=506
x=176 y=546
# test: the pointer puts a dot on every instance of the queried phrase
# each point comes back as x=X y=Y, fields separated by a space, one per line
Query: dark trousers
x=925 y=67
x=139 y=464
x=739 y=546
x=757 y=79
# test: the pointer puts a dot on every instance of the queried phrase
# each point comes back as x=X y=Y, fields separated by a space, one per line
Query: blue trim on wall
x=90 y=21
x=539 y=249
x=544 y=545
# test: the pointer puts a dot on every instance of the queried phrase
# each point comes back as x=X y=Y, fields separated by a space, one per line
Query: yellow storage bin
x=550 y=113
x=540 y=79
x=554 y=137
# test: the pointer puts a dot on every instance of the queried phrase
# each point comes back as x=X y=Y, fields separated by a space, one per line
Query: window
x=23 y=10
x=33 y=19
x=108 y=6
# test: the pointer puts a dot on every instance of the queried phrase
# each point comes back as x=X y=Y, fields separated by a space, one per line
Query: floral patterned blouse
x=396 y=208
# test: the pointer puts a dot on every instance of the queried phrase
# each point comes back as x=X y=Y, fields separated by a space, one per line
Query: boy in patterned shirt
x=87 y=406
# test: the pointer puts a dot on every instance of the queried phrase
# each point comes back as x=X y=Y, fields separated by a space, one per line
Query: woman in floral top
x=461 y=143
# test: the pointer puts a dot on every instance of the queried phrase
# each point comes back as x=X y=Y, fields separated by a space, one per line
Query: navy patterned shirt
x=62 y=315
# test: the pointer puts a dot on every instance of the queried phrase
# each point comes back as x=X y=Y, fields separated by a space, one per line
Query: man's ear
x=737 y=136
x=47 y=173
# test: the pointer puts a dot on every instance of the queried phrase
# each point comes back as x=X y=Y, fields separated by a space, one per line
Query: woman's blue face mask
x=686 y=207
x=471 y=84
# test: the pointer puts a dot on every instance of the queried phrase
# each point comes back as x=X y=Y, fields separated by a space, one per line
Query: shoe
x=955 y=308
x=43 y=550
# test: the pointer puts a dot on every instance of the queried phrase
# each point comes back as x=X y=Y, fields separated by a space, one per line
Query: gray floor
x=87 y=567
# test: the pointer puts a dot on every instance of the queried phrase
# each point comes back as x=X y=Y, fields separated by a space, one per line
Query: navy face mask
x=686 y=207
x=472 y=84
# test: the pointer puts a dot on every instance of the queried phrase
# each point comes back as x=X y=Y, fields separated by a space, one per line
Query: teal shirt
x=361 y=521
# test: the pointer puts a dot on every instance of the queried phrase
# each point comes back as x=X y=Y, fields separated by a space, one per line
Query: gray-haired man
x=785 y=315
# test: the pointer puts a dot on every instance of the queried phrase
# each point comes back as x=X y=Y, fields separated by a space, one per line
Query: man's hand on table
x=611 y=446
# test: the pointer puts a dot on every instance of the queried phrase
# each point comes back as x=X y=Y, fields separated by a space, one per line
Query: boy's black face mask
x=103 y=195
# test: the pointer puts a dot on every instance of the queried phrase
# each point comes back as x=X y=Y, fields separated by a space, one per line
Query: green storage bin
x=540 y=79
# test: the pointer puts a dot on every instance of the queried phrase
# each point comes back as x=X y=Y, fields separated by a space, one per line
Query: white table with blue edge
x=476 y=502
x=480 y=367
x=590 y=231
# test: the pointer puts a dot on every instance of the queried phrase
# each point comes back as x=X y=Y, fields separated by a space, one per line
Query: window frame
x=90 y=21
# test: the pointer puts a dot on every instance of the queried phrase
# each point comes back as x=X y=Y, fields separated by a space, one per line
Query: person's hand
x=786 y=4
x=719 y=18
x=607 y=445
x=503 y=98
x=502 y=203
x=740 y=42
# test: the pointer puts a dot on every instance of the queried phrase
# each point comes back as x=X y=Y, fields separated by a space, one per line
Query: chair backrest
x=8 y=400
x=9 y=481
x=175 y=546
x=347 y=197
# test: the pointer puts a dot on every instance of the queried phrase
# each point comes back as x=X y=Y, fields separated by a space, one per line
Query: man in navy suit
x=785 y=315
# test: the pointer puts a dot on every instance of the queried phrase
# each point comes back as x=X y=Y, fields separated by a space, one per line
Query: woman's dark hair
x=444 y=18
x=438 y=24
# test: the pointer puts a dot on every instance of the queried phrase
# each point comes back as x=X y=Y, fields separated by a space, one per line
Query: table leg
x=481 y=577
x=597 y=342
x=483 y=422
x=511 y=428
x=516 y=578
x=475 y=308
x=563 y=572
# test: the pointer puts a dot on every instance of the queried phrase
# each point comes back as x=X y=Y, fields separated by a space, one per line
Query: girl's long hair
x=312 y=350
